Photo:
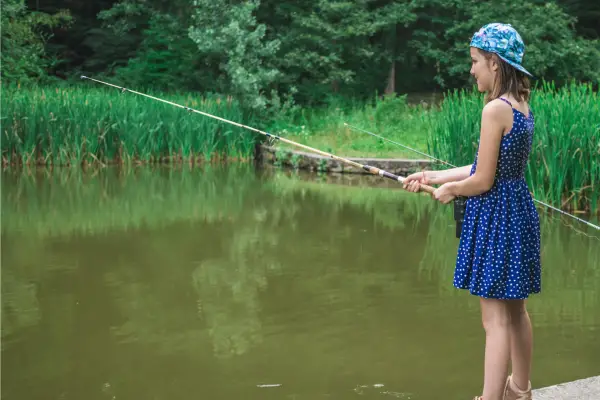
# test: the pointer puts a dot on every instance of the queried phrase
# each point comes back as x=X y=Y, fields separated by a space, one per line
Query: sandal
x=512 y=392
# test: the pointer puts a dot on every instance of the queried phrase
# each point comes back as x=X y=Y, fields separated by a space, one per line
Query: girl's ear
x=494 y=63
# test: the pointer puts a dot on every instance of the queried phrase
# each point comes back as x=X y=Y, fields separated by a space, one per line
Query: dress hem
x=486 y=295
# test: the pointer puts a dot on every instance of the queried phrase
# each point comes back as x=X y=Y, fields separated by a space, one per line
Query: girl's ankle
x=517 y=389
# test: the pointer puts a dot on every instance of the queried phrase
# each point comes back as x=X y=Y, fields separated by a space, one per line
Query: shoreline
x=315 y=162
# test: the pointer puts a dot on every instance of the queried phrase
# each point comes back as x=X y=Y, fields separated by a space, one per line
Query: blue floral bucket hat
x=503 y=40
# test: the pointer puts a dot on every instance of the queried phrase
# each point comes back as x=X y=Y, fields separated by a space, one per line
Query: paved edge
x=581 y=389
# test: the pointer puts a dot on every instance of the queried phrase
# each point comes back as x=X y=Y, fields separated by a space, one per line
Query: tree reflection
x=229 y=287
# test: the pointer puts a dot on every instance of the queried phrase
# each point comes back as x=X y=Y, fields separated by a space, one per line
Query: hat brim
x=517 y=66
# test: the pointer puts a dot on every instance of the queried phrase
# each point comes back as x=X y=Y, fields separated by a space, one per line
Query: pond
x=227 y=283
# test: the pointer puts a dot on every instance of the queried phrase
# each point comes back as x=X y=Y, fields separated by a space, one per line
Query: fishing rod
x=447 y=163
x=459 y=202
x=368 y=168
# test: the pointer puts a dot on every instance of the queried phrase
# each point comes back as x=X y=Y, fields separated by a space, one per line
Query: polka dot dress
x=499 y=250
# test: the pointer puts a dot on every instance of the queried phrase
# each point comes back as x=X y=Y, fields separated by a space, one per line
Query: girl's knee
x=517 y=310
x=494 y=315
x=496 y=321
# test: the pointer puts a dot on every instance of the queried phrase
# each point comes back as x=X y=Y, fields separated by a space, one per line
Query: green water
x=208 y=283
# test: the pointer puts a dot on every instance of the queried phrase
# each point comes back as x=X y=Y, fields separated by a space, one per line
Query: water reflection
x=156 y=283
x=229 y=288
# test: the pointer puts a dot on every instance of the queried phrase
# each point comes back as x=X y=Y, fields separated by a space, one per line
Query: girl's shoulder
x=498 y=108
x=498 y=113
x=503 y=103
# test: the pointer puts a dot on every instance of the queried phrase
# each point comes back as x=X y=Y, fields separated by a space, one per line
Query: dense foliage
x=268 y=52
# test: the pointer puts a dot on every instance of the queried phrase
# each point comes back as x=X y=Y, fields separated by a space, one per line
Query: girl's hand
x=444 y=194
x=413 y=182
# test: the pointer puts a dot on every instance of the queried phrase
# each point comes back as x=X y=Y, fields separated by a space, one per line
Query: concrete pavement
x=581 y=389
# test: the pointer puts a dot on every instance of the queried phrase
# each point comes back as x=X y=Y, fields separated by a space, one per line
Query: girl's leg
x=521 y=343
x=496 y=322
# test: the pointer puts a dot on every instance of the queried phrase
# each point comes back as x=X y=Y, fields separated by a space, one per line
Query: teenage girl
x=499 y=250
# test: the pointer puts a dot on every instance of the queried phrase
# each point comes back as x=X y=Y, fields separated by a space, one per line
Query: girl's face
x=484 y=71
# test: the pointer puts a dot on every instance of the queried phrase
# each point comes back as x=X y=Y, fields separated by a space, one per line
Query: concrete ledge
x=315 y=162
x=582 y=389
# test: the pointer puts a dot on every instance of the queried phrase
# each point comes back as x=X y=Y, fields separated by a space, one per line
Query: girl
x=499 y=250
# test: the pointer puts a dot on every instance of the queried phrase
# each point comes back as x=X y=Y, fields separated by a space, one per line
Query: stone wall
x=316 y=162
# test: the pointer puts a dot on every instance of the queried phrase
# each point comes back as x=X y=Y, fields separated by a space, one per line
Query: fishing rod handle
x=427 y=188
x=389 y=175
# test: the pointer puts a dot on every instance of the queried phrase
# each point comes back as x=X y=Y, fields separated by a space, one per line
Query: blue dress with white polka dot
x=499 y=249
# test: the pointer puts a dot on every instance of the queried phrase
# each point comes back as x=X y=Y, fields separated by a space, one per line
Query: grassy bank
x=87 y=125
x=391 y=117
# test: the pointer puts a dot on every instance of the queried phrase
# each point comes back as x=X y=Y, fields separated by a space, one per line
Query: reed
x=564 y=166
x=83 y=125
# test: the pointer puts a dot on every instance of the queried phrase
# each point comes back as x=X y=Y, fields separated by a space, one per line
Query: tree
x=168 y=59
x=587 y=14
x=341 y=47
x=551 y=45
x=228 y=32
x=24 y=36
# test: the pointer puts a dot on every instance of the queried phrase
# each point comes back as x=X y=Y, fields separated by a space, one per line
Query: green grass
x=564 y=165
x=88 y=124
x=391 y=117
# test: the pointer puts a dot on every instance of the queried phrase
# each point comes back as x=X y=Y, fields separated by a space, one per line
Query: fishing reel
x=459 y=213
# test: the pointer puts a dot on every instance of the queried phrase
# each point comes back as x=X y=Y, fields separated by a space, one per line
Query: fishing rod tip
x=83 y=77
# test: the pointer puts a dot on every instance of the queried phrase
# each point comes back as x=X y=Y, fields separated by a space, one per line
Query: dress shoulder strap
x=506 y=101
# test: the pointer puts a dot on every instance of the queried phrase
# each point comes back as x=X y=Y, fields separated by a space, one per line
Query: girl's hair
x=508 y=80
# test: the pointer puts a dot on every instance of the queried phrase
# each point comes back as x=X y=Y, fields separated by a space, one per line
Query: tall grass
x=86 y=125
x=564 y=165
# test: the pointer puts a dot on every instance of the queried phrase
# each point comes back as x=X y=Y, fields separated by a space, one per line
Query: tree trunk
x=391 y=85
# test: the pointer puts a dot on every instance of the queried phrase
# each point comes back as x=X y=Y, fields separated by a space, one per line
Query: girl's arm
x=448 y=175
x=493 y=123
x=413 y=181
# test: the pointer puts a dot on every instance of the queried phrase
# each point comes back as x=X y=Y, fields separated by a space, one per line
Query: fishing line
x=368 y=168
x=399 y=144
x=447 y=163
